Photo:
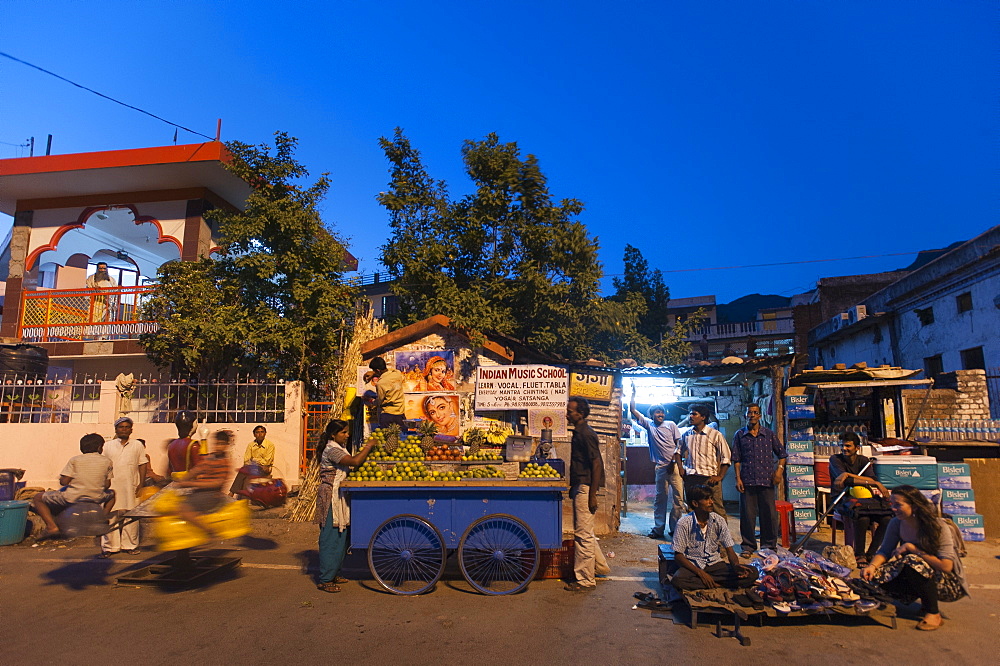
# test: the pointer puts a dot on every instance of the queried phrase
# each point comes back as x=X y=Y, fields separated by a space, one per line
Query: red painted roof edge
x=194 y=152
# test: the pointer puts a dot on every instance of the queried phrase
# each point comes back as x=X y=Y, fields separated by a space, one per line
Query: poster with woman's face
x=547 y=419
x=441 y=409
x=427 y=370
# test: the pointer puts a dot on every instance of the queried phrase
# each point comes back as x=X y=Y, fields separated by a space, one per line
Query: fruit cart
x=496 y=525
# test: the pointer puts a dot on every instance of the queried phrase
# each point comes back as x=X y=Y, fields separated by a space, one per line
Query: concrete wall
x=952 y=331
x=42 y=449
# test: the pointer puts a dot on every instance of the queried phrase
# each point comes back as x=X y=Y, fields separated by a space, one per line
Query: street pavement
x=59 y=604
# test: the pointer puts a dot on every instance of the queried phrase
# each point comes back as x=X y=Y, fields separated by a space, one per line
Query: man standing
x=128 y=458
x=586 y=475
x=759 y=458
x=389 y=393
x=663 y=438
x=845 y=472
x=101 y=279
x=706 y=456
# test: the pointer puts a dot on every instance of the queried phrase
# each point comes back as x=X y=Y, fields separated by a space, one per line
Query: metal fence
x=240 y=400
x=84 y=314
x=151 y=399
x=30 y=399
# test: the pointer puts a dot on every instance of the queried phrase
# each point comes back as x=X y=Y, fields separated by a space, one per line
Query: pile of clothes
x=810 y=583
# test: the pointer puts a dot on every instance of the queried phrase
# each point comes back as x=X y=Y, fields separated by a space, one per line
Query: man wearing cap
x=389 y=393
x=128 y=458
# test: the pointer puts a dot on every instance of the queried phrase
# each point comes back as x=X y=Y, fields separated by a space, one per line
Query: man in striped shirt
x=705 y=455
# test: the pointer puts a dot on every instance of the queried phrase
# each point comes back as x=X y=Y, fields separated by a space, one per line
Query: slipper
x=105 y=554
x=134 y=551
x=923 y=626
x=328 y=587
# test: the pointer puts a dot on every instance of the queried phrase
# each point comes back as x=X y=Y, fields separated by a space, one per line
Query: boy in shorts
x=85 y=477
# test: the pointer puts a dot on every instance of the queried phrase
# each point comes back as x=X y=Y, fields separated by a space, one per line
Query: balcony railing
x=742 y=329
x=61 y=315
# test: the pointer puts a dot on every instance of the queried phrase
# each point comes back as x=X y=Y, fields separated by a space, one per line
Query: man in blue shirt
x=759 y=458
x=699 y=540
x=663 y=438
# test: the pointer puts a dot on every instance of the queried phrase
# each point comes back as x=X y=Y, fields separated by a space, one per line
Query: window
x=925 y=315
x=964 y=302
x=933 y=366
x=390 y=306
x=972 y=359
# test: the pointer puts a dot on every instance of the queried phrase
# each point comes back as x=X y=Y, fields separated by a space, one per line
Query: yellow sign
x=592 y=385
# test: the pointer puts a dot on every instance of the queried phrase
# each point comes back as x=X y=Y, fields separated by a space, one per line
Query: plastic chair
x=786 y=514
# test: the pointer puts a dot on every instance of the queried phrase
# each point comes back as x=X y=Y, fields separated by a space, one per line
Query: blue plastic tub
x=13 y=519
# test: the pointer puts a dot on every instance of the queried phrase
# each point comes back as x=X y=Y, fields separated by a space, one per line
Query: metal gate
x=315 y=416
x=993 y=391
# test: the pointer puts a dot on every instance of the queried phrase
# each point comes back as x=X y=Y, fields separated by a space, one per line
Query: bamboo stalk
x=366 y=328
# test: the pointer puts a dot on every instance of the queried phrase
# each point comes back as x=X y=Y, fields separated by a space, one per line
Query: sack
x=842 y=555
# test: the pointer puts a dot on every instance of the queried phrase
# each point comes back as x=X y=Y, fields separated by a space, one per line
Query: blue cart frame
x=497 y=529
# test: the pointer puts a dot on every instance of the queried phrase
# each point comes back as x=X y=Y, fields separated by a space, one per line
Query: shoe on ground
x=577 y=587
x=653 y=534
x=924 y=626
x=746 y=554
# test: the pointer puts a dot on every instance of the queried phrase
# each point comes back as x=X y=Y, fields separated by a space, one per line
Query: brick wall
x=957 y=395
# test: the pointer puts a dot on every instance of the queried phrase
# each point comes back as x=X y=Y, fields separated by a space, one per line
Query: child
x=85 y=477
x=206 y=481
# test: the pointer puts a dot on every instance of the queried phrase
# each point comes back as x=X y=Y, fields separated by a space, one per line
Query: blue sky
x=705 y=133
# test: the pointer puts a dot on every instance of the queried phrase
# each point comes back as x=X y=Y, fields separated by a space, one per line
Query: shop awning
x=874 y=383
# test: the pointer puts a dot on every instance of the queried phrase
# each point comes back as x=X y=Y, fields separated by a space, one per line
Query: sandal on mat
x=328 y=587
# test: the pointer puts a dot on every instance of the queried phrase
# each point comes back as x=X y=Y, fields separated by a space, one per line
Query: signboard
x=591 y=385
x=521 y=387
x=800 y=407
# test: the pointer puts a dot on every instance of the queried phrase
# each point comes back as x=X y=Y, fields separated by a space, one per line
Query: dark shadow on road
x=258 y=543
x=309 y=561
x=80 y=575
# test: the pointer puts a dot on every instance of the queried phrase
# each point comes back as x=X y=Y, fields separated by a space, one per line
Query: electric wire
x=107 y=97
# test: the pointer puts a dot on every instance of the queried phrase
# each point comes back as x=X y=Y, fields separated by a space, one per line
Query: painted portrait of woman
x=436 y=375
x=442 y=410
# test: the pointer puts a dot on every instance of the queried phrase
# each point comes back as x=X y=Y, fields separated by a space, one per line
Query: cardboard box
x=958 y=508
x=804 y=458
x=804 y=518
x=801 y=493
x=892 y=473
x=804 y=502
x=800 y=430
x=958 y=495
x=954 y=476
x=971 y=527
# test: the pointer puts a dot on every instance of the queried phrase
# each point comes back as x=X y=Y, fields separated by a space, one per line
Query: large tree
x=273 y=299
x=506 y=257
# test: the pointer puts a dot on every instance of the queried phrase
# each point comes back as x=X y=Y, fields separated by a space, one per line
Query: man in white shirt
x=706 y=456
x=129 y=459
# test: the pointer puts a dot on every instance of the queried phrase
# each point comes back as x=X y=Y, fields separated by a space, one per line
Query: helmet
x=860 y=492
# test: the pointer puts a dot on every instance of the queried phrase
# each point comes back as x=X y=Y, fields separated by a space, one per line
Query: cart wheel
x=498 y=554
x=406 y=555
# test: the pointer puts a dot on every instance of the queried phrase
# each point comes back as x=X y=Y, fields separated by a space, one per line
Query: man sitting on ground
x=699 y=540
x=86 y=477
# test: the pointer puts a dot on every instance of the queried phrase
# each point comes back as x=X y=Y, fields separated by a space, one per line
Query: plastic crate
x=556 y=563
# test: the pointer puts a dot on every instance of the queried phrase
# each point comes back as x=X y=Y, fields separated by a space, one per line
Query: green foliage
x=273 y=300
x=505 y=258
